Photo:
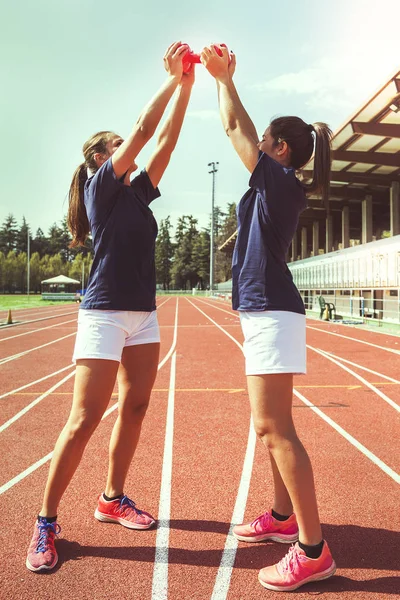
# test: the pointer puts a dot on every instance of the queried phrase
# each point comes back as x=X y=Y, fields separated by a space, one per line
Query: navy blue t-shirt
x=268 y=216
x=124 y=232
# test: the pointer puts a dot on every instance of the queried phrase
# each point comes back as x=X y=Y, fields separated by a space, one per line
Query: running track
x=198 y=465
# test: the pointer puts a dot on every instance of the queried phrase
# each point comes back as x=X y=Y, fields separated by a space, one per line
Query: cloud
x=338 y=81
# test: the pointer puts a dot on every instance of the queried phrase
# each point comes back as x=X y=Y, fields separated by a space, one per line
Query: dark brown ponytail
x=77 y=218
x=322 y=163
x=78 y=222
x=299 y=137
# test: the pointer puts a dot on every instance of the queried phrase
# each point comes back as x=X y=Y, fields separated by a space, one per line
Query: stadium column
x=329 y=234
x=294 y=247
x=345 y=227
x=366 y=220
x=315 y=238
x=303 y=242
x=395 y=208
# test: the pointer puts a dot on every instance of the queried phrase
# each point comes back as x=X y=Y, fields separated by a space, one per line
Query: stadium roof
x=366 y=149
x=366 y=156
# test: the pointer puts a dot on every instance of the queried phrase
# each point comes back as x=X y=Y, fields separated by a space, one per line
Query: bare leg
x=94 y=383
x=282 y=502
x=136 y=378
x=271 y=405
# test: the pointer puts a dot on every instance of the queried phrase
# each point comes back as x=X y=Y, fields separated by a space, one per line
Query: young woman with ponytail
x=118 y=334
x=272 y=317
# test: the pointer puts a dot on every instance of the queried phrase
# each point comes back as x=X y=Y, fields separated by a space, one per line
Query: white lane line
x=22 y=412
x=159 y=590
x=20 y=354
x=25 y=473
x=160 y=572
x=23 y=387
x=39 y=329
x=354 y=374
x=216 y=324
x=333 y=424
x=377 y=461
x=27 y=312
x=4 y=327
x=223 y=578
x=224 y=581
x=353 y=339
x=42 y=461
x=348 y=362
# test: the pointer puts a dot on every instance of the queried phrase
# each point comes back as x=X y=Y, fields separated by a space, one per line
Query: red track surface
x=357 y=497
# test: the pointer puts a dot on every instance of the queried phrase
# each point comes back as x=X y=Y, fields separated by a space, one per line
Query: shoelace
x=289 y=561
x=263 y=521
x=126 y=503
x=45 y=529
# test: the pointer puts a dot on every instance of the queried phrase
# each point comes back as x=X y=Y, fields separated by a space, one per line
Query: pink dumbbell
x=190 y=57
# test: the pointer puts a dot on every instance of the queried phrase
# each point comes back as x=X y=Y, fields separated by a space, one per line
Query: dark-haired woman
x=118 y=334
x=272 y=317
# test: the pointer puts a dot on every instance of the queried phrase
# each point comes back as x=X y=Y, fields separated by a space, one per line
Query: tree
x=183 y=269
x=35 y=278
x=56 y=240
x=2 y=271
x=22 y=237
x=201 y=258
x=164 y=254
x=223 y=261
x=10 y=272
x=66 y=252
x=8 y=234
x=20 y=272
x=40 y=243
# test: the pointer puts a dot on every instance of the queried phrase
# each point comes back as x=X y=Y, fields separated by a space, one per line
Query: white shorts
x=274 y=342
x=105 y=333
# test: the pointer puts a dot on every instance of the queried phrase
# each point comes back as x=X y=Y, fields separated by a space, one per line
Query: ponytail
x=299 y=137
x=77 y=219
x=322 y=163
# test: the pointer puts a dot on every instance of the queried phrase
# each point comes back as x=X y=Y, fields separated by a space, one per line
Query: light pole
x=28 y=262
x=214 y=169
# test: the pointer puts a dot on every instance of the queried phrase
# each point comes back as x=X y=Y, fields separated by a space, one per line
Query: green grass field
x=12 y=301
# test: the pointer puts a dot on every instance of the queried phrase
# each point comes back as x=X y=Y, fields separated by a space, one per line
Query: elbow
x=230 y=127
x=145 y=131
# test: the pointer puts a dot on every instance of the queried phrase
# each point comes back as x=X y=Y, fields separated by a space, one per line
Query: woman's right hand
x=173 y=59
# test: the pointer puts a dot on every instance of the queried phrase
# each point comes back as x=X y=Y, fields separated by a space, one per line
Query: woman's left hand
x=217 y=66
x=187 y=79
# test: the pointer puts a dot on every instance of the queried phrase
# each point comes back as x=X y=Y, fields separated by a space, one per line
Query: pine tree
x=40 y=243
x=164 y=254
x=8 y=234
x=22 y=237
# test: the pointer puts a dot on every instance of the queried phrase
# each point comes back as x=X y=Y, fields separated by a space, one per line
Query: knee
x=82 y=425
x=134 y=411
x=273 y=436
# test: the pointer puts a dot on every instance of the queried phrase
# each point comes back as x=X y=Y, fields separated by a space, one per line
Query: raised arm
x=235 y=120
x=151 y=115
x=171 y=129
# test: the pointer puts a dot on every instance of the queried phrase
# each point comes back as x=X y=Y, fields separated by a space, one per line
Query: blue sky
x=72 y=68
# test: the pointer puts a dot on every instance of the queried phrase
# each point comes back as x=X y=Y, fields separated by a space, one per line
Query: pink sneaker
x=123 y=511
x=295 y=569
x=265 y=527
x=42 y=554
